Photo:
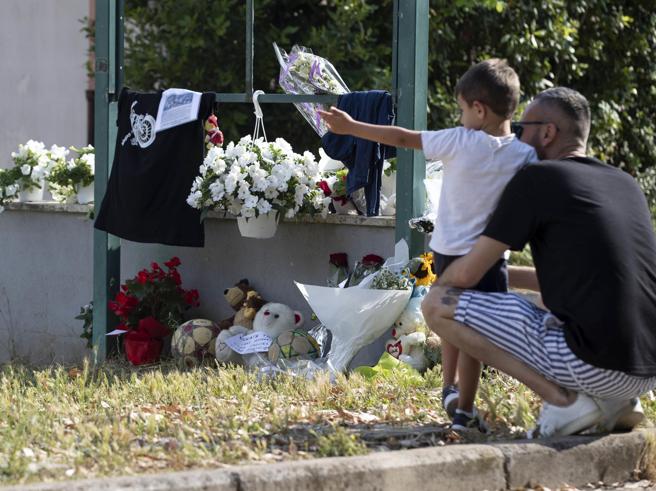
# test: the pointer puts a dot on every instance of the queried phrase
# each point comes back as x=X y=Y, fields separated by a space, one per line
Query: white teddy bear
x=272 y=319
x=407 y=343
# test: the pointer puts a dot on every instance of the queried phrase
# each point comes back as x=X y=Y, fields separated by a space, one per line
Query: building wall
x=43 y=78
x=46 y=272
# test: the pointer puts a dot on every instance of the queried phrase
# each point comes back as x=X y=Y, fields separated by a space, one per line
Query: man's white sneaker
x=620 y=415
x=560 y=421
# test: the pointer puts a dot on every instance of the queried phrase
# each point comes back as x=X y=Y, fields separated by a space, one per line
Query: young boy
x=479 y=159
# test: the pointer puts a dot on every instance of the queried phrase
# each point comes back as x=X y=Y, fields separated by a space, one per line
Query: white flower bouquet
x=302 y=72
x=256 y=177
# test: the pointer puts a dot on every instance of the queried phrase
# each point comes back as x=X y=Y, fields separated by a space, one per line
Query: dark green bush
x=605 y=49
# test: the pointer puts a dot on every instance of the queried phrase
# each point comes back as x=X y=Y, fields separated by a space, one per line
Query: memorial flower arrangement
x=150 y=306
x=302 y=72
x=67 y=177
x=256 y=177
x=155 y=294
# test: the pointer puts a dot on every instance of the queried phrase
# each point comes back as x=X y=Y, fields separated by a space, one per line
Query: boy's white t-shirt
x=477 y=167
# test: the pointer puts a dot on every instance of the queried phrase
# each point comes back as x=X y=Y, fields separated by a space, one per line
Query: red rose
x=339 y=259
x=174 y=262
x=372 y=260
x=325 y=188
x=213 y=120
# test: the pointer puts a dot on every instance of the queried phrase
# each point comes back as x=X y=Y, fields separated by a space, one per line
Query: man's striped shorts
x=536 y=337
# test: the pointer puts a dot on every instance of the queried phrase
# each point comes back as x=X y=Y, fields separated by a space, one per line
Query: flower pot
x=261 y=227
x=85 y=194
x=32 y=194
x=141 y=350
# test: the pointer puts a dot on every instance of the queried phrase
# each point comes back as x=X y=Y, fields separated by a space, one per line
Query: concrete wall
x=46 y=267
x=43 y=78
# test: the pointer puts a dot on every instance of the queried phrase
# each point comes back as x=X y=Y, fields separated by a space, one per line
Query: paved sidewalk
x=551 y=463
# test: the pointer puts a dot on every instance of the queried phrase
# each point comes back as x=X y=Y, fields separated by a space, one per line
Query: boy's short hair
x=492 y=82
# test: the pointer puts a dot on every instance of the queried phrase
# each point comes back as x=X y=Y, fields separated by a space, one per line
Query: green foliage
x=86 y=315
x=577 y=44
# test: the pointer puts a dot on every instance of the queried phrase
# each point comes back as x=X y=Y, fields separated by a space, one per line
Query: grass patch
x=59 y=423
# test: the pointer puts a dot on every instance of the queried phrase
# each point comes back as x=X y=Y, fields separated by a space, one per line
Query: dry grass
x=60 y=423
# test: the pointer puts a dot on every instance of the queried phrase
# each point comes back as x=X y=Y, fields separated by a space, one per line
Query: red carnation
x=123 y=305
x=176 y=277
x=191 y=297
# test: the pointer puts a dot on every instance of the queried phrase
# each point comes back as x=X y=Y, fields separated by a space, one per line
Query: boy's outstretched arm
x=341 y=123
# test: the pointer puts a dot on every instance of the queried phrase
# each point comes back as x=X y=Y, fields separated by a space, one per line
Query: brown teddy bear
x=235 y=296
x=245 y=315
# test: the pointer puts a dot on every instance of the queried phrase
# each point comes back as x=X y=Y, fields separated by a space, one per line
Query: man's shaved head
x=568 y=107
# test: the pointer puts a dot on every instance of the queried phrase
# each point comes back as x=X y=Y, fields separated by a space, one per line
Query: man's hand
x=338 y=121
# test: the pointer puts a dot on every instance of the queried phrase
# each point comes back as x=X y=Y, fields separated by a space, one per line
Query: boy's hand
x=338 y=122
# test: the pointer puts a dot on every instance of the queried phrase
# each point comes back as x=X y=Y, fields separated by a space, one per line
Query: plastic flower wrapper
x=302 y=72
x=433 y=184
x=357 y=316
x=363 y=268
x=338 y=268
x=388 y=366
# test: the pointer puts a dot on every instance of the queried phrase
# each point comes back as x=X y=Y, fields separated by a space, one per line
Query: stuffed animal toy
x=272 y=319
x=408 y=341
x=235 y=296
x=250 y=306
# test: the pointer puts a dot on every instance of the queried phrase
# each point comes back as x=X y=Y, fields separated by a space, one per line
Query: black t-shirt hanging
x=152 y=175
x=594 y=250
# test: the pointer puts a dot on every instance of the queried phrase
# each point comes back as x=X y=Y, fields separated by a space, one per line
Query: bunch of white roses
x=255 y=177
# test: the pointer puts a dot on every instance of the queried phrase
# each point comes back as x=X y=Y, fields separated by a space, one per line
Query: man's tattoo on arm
x=451 y=296
x=447 y=300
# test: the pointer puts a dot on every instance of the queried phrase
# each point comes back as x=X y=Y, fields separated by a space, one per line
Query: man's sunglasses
x=517 y=127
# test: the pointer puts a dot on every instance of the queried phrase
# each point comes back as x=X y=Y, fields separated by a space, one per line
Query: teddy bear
x=272 y=319
x=408 y=343
x=235 y=296
x=249 y=307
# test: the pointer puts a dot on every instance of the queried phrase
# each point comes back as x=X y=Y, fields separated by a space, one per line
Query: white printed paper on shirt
x=255 y=342
x=176 y=107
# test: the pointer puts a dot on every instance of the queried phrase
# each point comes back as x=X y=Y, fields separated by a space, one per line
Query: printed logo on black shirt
x=143 y=128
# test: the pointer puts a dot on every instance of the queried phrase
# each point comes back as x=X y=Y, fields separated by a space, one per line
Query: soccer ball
x=293 y=344
x=193 y=341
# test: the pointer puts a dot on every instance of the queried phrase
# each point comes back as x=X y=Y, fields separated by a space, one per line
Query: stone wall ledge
x=333 y=219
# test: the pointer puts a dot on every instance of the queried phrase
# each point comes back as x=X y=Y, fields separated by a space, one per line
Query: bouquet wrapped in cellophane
x=302 y=72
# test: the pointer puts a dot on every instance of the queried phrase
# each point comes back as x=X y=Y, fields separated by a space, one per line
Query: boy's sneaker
x=462 y=420
x=620 y=415
x=560 y=421
x=450 y=397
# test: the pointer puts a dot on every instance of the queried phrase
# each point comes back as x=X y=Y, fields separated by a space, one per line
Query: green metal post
x=109 y=79
x=411 y=78
x=250 y=21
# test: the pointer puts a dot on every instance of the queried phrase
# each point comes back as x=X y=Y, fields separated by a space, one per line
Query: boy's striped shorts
x=537 y=338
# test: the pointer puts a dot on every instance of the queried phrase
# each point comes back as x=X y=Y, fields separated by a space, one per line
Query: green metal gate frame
x=410 y=80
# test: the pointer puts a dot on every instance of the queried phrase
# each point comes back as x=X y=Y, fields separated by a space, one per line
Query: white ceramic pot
x=85 y=194
x=261 y=227
x=32 y=194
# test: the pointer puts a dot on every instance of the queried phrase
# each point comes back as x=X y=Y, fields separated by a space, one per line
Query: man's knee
x=440 y=303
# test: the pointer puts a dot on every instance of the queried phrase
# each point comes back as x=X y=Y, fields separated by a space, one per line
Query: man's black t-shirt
x=594 y=250
x=152 y=174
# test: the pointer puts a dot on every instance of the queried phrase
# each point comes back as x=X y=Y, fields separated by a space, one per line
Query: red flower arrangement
x=150 y=306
